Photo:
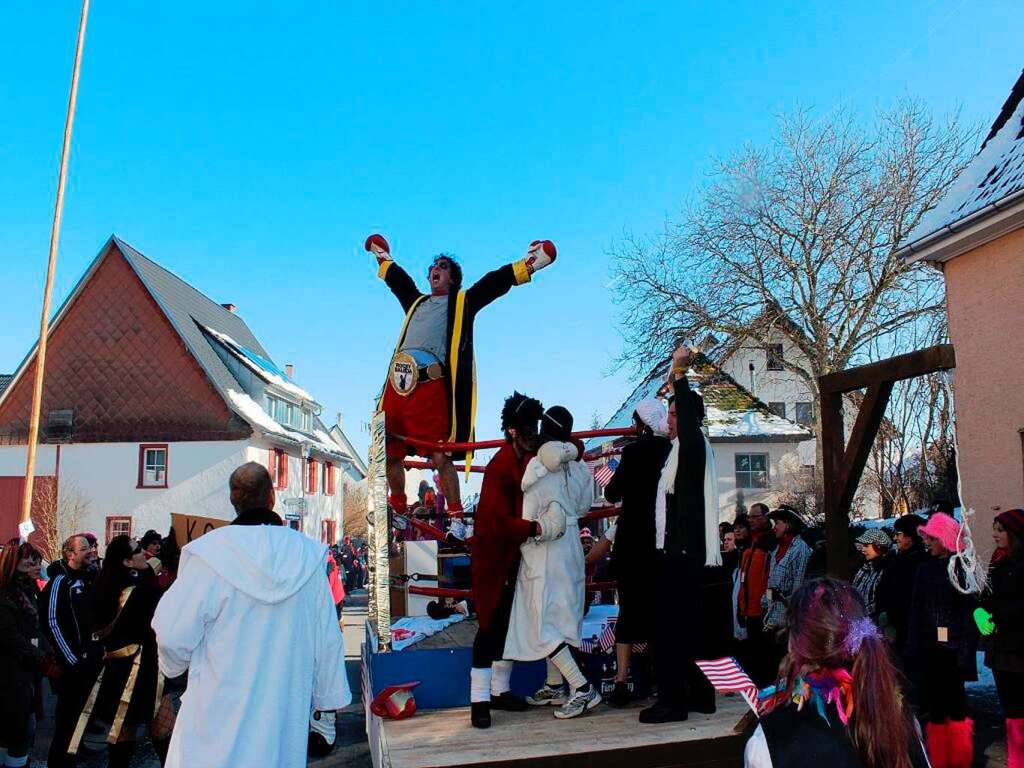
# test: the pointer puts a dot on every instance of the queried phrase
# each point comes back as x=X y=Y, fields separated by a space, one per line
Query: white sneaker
x=580 y=702
x=549 y=694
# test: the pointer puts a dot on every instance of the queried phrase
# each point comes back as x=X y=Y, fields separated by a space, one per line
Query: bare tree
x=56 y=516
x=355 y=510
x=798 y=237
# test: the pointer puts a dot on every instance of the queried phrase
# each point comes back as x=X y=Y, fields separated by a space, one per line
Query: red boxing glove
x=378 y=246
x=541 y=254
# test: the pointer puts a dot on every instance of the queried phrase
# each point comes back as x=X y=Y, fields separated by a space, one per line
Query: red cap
x=395 y=702
x=379 y=241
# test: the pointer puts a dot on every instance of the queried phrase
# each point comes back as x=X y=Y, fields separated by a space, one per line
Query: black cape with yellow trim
x=463 y=305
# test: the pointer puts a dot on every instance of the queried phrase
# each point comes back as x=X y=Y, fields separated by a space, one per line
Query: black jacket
x=684 y=512
x=937 y=605
x=1005 y=600
x=460 y=371
x=635 y=484
x=65 y=622
x=19 y=660
x=895 y=593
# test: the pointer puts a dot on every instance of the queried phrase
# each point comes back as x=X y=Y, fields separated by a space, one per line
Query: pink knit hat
x=944 y=528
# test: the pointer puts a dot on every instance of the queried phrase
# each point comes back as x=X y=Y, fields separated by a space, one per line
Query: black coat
x=132 y=627
x=19 y=660
x=895 y=594
x=460 y=371
x=936 y=604
x=635 y=484
x=684 y=511
x=1004 y=649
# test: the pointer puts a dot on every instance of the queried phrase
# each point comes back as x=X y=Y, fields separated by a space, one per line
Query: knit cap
x=1013 y=521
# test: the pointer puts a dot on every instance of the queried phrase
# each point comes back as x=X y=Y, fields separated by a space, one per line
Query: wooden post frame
x=843 y=463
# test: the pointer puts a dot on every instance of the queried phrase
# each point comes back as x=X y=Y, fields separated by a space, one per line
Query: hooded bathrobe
x=548 y=607
x=252 y=620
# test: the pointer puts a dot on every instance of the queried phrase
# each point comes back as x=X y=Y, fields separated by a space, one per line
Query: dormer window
x=287 y=413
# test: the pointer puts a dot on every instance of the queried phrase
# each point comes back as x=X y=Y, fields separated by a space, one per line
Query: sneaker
x=508 y=702
x=580 y=702
x=549 y=694
x=620 y=696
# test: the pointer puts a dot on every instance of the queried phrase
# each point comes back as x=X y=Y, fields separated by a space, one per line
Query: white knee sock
x=554 y=677
x=570 y=670
x=501 y=674
x=480 y=684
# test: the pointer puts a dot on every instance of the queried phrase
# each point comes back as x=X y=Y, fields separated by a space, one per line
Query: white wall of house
x=748 y=365
x=783 y=459
x=105 y=477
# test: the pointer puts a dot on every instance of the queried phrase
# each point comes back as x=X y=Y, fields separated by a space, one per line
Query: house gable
x=116 y=362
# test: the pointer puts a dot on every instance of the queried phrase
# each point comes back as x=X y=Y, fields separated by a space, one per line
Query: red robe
x=499 y=530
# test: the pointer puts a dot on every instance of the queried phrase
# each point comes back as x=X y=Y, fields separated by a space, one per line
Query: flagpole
x=25 y=527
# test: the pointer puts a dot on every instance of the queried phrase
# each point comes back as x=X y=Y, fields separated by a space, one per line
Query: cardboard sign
x=190 y=527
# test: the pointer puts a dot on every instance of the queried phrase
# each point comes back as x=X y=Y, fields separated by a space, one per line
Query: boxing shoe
x=508 y=702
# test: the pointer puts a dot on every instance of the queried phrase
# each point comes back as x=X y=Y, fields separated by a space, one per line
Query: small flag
x=603 y=474
x=727 y=676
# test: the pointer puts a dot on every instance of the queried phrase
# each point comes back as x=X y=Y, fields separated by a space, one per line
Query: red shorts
x=422 y=414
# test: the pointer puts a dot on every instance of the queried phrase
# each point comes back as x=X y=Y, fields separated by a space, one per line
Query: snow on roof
x=261 y=366
x=251 y=411
x=995 y=173
x=730 y=411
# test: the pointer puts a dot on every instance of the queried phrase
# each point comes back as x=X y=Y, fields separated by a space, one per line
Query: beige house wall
x=985 y=297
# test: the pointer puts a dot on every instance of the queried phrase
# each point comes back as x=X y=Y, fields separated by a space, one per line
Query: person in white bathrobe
x=547 y=610
x=250 y=617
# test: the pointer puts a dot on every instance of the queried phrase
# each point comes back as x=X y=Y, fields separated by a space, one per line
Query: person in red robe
x=499 y=531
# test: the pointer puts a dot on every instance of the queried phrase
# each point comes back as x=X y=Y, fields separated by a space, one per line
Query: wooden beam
x=837 y=521
x=869 y=419
x=938 y=358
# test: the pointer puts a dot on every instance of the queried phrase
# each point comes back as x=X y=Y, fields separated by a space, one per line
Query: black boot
x=480 y=714
x=120 y=755
x=508 y=702
x=620 y=696
x=660 y=713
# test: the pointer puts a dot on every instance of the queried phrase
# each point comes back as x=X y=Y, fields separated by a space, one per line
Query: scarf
x=667 y=484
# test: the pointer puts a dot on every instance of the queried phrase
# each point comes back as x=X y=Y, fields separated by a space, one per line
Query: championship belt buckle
x=404 y=373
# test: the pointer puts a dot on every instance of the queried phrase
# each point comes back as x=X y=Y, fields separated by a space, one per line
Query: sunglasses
x=445 y=265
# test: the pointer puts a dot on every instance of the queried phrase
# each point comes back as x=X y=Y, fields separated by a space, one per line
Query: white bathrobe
x=549 y=601
x=251 y=619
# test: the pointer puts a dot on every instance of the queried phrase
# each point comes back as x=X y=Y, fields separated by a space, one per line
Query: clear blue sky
x=251 y=147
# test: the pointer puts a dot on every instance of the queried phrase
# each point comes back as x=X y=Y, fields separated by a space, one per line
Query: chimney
x=229 y=307
x=339 y=420
x=289 y=371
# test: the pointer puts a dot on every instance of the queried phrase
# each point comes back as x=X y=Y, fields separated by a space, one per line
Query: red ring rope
x=486 y=444
x=438 y=591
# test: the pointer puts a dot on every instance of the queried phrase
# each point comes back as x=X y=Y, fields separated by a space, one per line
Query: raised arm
x=396 y=278
x=688 y=433
x=498 y=282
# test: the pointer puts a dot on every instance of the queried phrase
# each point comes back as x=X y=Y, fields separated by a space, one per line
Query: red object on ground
x=395 y=702
x=419 y=419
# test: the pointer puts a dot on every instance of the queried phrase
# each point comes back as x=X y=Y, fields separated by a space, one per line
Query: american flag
x=726 y=675
x=603 y=474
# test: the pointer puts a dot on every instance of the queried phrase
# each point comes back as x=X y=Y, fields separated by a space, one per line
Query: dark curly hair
x=454 y=270
x=521 y=413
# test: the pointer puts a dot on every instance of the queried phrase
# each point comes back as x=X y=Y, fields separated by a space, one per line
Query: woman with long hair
x=842 y=704
x=129 y=691
x=20 y=656
x=1004 y=647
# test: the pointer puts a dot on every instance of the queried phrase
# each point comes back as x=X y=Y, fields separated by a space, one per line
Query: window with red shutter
x=312 y=475
x=327 y=532
x=281 y=463
x=329 y=478
x=118 y=525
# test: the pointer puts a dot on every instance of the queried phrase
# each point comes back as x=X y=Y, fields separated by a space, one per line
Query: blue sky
x=251 y=147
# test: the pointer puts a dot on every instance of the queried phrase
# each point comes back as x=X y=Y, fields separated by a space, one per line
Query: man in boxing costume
x=431 y=389
x=500 y=530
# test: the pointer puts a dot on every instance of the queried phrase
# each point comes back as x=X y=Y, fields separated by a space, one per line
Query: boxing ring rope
x=380 y=522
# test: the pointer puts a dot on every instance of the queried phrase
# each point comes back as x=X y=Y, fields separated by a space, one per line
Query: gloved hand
x=554 y=454
x=378 y=246
x=984 y=621
x=552 y=522
x=540 y=254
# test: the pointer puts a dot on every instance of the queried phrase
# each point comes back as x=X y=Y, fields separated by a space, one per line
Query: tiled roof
x=185 y=307
x=5 y=381
x=731 y=412
x=995 y=174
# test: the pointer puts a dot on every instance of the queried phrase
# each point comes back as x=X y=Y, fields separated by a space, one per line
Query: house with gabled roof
x=975 y=236
x=756 y=451
x=153 y=394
